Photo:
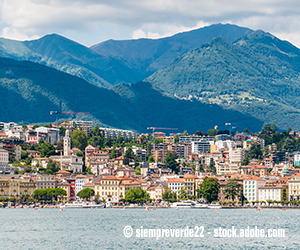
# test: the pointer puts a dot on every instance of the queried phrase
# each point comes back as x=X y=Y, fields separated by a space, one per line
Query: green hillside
x=257 y=75
x=29 y=91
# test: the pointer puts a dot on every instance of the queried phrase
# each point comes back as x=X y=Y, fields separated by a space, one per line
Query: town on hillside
x=76 y=161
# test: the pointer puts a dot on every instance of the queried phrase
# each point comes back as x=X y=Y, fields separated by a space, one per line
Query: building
x=297 y=158
x=168 y=139
x=15 y=187
x=190 y=184
x=45 y=181
x=4 y=157
x=50 y=134
x=175 y=184
x=294 y=187
x=67 y=143
x=200 y=147
x=224 y=167
x=79 y=182
x=115 y=133
x=237 y=155
x=251 y=185
x=65 y=186
x=272 y=190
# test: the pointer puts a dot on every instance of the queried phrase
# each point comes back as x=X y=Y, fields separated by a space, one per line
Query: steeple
x=67 y=143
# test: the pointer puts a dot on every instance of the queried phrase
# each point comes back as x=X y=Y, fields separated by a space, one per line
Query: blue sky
x=92 y=21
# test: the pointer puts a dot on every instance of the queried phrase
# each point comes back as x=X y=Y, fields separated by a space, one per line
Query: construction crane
x=63 y=112
x=153 y=128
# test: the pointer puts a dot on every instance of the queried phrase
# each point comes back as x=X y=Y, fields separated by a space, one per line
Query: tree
x=170 y=161
x=35 y=126
x=288 y=145
x=151 y=159
x=138 y=170
x=113 y=153
x=247 y=131
x=53 y=166
x=269 y=128
x=158 y=140
x=254 y=153
x=209 y=189
x=129 y=153
x=182 y=193
x=169 y=195
x=47 y=149
x=199 y=133
x=176 y=138
x=86 y=193
x=136 y=195
x=212 y=167
x=62 y=131
x=185 y=133
x=212 y=132
x=232 y=189
x=78 y=139
x=60 y=192
x=283 y=193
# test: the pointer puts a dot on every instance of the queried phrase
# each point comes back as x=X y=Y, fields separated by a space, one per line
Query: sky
x=90 y=22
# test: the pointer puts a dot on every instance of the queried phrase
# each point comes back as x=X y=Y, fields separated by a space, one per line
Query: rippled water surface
x=103 y=228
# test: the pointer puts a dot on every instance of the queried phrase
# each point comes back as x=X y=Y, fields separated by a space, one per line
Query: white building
x=13 y=130
x=225 y=167
x=269 y=192
x=175 y=184
x=237 y=155
x=200 y=147
x=251 y=185
x=79 y=182
x=297 y=158
x=4 y=157
x=225 y=145
x=50 y=132
x=115 y=133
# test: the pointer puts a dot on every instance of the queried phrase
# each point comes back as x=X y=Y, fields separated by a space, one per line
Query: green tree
x=288 y=145
x=182 y=194
x=170 y=161
x=269 y=128
x=113 y=153
x=136 y=195
x=254 y=153
x=176 y=138
x=86 y=193
x=62 y=131
x=185 y=133
x=283 y=193
x=169 y=195
x=209 y=189
x=53 y=166
x=232 y=189
x=129 y=154
x=60 y=192
x=137 y=170
x=35 y=126
x=212 y=167
x=47 y=149
x=151 y=159
x=158 y=140
x=212 y=132
x=78 y=139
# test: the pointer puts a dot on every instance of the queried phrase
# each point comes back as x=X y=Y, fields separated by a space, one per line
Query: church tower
x=67 y=143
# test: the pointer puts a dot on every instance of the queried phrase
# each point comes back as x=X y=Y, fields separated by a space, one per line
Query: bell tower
x=67 y=143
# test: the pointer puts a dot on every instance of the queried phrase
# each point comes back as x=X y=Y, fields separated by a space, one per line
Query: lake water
x=103 y=228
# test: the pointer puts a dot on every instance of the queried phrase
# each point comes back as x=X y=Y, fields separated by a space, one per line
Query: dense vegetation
x=257 y=75
x=29 y=91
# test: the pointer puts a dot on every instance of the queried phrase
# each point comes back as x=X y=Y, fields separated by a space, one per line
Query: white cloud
x=25 y=19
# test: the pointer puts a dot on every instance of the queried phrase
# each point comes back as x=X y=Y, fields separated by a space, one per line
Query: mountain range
x=30 y=90
x=192 y=80
x=258 y=67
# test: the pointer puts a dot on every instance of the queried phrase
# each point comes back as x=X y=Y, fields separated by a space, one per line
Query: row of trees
x=49 y=194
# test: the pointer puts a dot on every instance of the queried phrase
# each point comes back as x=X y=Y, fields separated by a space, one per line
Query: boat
x=215 y=206
x=200 y=205
x=82 y=205
x=183 y=204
